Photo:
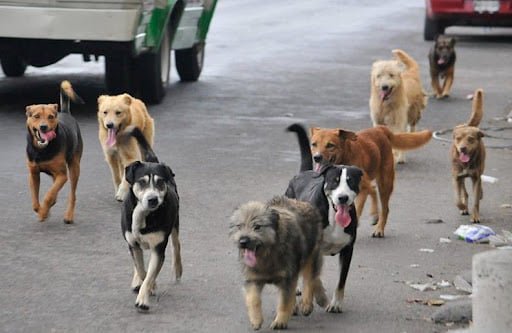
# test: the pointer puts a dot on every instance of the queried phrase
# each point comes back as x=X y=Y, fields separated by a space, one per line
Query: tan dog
x=115 y=114
x=370 y=150
x=468 y=159
x=54 y=146
x=397 y=97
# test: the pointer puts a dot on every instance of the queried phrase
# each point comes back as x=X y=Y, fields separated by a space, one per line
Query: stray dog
x=371 y=151
x=468 y=159
x=397 y=98
x=332 y=191
x=150 y=214
x=442 y=65
x=54 y=146
x=115 y=113
x=277 y=241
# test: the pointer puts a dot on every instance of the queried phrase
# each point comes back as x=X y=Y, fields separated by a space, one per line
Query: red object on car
x=441 y=14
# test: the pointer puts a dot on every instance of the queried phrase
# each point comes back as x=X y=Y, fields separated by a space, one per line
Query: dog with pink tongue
x=278 y=241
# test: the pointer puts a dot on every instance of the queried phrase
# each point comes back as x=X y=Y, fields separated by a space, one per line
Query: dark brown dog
x=442 y=65
x=468 y=159
x=54 y=146
x=371 y=151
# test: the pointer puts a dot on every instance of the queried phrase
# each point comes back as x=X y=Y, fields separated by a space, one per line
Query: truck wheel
x=119 y=75
x=189 y=62
x=153 y=72
x=13 y=66
x=432 y=28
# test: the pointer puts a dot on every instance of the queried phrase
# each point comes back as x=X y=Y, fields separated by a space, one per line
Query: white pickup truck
x=135 y=36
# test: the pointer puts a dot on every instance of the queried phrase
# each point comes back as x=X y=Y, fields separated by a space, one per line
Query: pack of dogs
x=284 y=239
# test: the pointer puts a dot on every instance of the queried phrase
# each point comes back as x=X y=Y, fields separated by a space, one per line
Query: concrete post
x=492 y=292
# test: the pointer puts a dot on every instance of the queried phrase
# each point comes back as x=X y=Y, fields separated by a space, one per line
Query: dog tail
x=67 y=94
x=148 y=153
x=306 y=162
x=477 y=109
x=407 y=141
x=406 y=59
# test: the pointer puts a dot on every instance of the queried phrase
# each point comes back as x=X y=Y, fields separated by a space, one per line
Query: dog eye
x=257 y=227
x=471 y=140
x=118 y=113
x=37 y=116
x=105 y=113
x=313 y=144
x=329 y=145
x=51 y=117
x=160 y=183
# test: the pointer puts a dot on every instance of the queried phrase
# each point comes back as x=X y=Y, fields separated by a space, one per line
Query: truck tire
x=13 y=66
x=189 y=62
x=119 y=75
x=432 y=29
x=153 y=72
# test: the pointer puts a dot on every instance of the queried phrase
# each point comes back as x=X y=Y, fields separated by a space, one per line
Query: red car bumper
x=463 y=12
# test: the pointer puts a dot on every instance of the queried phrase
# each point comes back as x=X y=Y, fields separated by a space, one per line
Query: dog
x=332 y=191
x=277 y=241
x=397 y=98
x=54 y=146
x=115 y=113
x=468 y=159
x=150 y=214
x=370 y=150
x=441 y=58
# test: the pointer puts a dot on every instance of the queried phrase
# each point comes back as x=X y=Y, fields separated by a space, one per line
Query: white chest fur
x=147 y=241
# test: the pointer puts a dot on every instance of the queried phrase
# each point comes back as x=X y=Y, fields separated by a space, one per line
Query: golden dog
x=370 y=150
x=397 y=97
x=115 y=114
x=468 y=159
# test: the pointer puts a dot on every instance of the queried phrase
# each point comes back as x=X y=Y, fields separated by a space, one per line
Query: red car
x=441 y=14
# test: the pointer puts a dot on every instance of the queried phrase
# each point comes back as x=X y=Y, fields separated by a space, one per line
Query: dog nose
x=343 y=199
x=317 y=158
x=243 y=241
x=43 y=128
x=110 y=125
x=385 y=87
x=153 y=202
x=463 y=149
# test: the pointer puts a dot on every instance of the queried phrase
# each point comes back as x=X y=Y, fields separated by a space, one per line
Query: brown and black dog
x=468 y=159
x=370 y=150
x=442 y=65
x=54 y=146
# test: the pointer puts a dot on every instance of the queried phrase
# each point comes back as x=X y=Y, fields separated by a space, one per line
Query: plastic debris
x=506 y=206
x=414 y=265
x=429 y=286
x=434 y=221
x=474 y=233
x=489 y=179
x=448 y=297
x=426 y=250
x=461 y=284
x=444 y=240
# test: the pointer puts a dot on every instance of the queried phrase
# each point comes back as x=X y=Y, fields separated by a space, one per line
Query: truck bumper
x=118 y=25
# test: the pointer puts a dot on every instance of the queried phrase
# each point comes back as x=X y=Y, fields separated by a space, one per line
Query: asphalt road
x=268 y=64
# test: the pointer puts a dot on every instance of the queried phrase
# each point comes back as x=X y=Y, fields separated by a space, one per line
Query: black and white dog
x=332 y=190
x=150 y=214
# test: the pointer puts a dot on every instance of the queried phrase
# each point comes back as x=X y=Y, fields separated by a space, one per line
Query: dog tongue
x=250 y=257
x=111 y=138
x=440 y=61
x=48 y=136
x=464 y=158
x=343 y=216
x=383 y=95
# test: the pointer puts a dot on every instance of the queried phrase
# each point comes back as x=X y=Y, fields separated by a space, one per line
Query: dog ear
x=452 y=41
x=347 y=135
x=28 y=111
x=480 y=134
x=312 y=130
x=169 y=175
x=274 y=218
x=129 y=172
x=127 y=99
x=101 y=99
x=55 y=108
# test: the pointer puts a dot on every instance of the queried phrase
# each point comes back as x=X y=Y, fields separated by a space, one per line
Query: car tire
x=432 y=29
x=119 y=75
x=153 y=72
x=13 y=66
x=189 y=62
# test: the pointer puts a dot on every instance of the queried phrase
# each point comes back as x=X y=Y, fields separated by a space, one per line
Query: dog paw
x=279 y=325
x=142 y=308
x=474 y=220
x=36 y=208
x=464 y=212
x=256 y=326
x=378 y=234
x=136 y=289
x=68 y=221
x=43 y=214
x=306 y=308
x=334 y=308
